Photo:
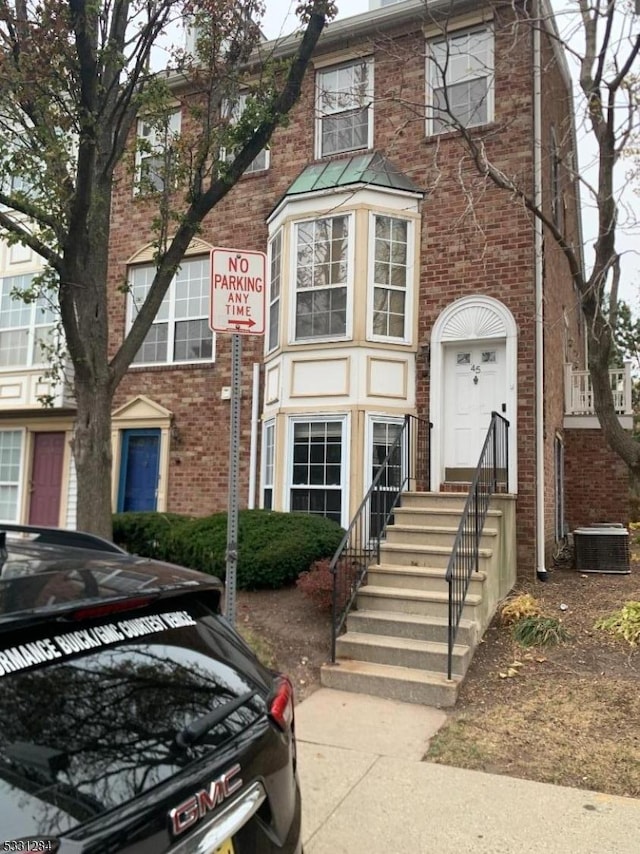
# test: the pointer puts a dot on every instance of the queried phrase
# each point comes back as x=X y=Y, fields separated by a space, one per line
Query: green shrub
x=146 y=534
x=273 y=548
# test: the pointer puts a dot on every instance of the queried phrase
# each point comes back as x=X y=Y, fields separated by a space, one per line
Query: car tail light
x=96 y=611
x=281 y=705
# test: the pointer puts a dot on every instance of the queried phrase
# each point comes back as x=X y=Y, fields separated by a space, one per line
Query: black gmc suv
x=133 y=718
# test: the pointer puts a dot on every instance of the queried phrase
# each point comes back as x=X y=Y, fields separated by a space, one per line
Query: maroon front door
x=46 y=479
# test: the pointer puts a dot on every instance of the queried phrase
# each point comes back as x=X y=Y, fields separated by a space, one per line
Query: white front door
x=474 y=387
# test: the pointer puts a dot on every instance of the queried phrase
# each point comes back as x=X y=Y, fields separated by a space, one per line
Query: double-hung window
x=460 y=80
x=268 y=463
x=390 y=273
x=10 y=458
x=26 y=328
x=154 y=154
x=317 y=471
x=233 y=111
x=180 y=330
x=275 y=282
x=344 y=108
x=322 y=277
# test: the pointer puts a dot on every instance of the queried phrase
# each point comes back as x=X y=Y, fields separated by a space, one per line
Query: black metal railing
x=491 y=476
x=406 y=466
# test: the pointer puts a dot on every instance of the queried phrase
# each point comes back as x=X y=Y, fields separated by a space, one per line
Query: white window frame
x=337 y=418
x=19 y=484
x=409 y=285
x=171 y=319
x=275 y=303
x=30 y=328
x=433 y=72
x=374 y=418
x=349 y=283
x=268 y=461
x=321 y=74
x=232 y=110
x=159 y=139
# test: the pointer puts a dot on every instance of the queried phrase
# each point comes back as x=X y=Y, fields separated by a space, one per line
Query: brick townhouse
x=398 y=283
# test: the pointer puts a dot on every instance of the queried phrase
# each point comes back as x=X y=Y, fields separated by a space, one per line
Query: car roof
x=49 y=569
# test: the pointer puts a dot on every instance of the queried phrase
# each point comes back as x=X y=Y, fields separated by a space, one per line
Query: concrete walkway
x=365 y=790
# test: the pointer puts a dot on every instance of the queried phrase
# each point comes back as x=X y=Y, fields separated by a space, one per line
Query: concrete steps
x=396 y=639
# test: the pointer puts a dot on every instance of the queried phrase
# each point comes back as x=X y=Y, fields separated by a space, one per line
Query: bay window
x=322 y=277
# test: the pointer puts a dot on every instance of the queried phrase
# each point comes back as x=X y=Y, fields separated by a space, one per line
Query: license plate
x=225 y=848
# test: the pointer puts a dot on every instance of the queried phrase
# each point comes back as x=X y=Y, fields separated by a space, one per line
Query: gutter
x=541 y=571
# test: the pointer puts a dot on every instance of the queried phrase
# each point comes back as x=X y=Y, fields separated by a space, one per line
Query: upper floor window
x=344 y=108
x=275 y=282
x=154 y=152
x=322 y=277
x=26 y=328
x=234 y=110
x=389 y=272
x=180 y=331
x=460 y=80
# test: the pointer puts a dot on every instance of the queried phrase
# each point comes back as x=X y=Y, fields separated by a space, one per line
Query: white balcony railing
x=578 y=394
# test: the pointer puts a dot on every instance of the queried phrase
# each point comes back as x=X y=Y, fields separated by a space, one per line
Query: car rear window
x=89 y=714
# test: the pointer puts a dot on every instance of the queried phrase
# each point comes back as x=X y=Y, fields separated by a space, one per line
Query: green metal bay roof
x=372 y=169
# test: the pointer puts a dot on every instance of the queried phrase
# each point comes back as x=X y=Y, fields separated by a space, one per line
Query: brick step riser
x=422 y=607
x=434 y=661
x=408 y=580
x=391 y=689
x=433 y=632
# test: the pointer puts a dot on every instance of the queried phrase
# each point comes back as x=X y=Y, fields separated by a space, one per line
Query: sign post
x=237 y=305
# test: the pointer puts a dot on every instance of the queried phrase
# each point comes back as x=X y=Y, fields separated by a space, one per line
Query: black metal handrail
x=491 y=474
x=405 y=466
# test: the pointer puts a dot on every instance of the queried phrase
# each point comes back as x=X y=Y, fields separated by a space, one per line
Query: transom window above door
x=344 y=108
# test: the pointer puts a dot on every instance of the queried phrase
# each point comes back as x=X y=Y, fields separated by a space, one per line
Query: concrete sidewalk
x=365 y=790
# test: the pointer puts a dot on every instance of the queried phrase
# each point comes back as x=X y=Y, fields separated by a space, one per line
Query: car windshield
x=94 y=728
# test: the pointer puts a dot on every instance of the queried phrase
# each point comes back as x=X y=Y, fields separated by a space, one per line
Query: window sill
x=450 y=134
x=173 y=366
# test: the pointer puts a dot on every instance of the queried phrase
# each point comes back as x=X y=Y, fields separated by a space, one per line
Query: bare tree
x=74 y=77
x=601 y=40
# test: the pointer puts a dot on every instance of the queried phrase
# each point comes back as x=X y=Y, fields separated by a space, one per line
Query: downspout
x=541 y=571
x=253 y=447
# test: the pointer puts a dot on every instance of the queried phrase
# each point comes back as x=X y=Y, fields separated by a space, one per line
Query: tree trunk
x=93 y=458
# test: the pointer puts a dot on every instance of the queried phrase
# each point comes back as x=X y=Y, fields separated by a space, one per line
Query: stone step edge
x=394 y=671
x=391 y=642
x=435 y=529
x=411 y=593
x=427 y=550
x=419 y=619
x=436 y=572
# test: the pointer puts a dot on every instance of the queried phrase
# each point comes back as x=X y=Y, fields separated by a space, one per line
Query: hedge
x=274 y=548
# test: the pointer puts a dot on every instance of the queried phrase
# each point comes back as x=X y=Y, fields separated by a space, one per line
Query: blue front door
x=139 y=463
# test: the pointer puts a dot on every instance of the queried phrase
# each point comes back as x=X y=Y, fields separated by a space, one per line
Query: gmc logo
x=188 y=813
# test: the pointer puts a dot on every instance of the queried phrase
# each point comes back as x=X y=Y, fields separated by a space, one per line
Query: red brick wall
x=596 y=480
x=475 y=239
